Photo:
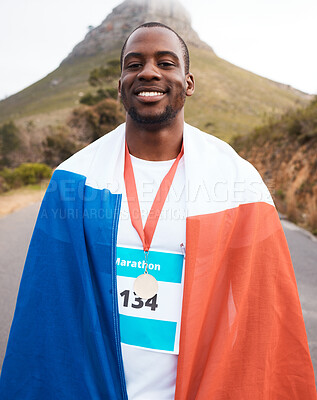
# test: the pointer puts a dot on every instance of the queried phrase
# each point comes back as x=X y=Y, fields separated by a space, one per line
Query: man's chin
x=159 y=119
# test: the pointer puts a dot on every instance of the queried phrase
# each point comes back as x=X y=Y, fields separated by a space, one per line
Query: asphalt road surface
x=16 y=230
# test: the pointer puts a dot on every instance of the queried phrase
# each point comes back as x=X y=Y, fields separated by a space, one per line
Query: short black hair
x=160 y=25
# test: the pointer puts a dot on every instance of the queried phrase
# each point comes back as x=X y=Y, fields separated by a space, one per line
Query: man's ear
x=190 y=84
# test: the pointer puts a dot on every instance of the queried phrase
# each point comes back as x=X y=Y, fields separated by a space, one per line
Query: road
x=15 y=234
x=303 y=249
x=16 y=230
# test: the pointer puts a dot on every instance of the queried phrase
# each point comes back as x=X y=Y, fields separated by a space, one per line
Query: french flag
x=242 y=330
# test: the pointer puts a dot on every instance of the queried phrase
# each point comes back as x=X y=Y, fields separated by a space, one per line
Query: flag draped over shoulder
x=242 y=334
x=242 y=331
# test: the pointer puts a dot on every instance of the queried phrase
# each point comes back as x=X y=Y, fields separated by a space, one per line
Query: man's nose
x=149 y=71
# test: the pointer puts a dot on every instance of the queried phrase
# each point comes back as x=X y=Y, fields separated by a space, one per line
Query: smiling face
x=153 y=84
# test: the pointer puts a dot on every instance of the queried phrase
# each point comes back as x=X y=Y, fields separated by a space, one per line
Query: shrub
x=99 y=76
x=4 y=187
x=115 y=63
x=280 y=194
x=24 y=174
x=31 y=173
x=9 y=138
x=90 y=99
x=58 y=146
x=93 y=122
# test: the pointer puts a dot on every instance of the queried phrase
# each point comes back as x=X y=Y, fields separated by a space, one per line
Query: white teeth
x=146 y=94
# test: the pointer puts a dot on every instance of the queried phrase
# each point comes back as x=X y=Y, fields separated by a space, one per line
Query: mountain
x=228 y=100
x=112 y=32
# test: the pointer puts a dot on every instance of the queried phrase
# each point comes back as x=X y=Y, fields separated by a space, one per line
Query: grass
x=43 y=97
x=230 y=100
x=26 y=189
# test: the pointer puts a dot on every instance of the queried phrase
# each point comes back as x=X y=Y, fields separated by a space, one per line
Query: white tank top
x=150 y=330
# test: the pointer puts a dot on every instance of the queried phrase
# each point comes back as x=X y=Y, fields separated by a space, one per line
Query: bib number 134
x=138 y=302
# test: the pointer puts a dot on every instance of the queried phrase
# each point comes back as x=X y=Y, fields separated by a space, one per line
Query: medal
x=145 y=285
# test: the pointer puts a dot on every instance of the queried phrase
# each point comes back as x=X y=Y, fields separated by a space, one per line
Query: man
x=107 y=309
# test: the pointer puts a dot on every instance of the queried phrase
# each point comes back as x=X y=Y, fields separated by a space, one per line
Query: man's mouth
x=150 y=94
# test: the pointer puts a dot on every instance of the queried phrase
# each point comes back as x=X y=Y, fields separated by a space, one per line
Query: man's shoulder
x=215 y=148
x=214 y=163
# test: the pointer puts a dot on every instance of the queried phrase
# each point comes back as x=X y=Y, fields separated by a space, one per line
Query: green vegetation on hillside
x=90 y=99
x=25 y=174
x=101 y=78
x=90 y=123
x=52 y=143
x=58 y=146
x=284 y=151
x=85 y=125
x=76 y=104
x=298 y=125
x=9 y=141
x=228 y=100
x=61 y=89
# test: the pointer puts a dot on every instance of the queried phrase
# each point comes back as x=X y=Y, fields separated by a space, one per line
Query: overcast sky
x=273 y=38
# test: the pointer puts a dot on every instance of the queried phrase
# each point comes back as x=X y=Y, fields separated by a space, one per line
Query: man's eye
x=133 y=65
x=166 y=64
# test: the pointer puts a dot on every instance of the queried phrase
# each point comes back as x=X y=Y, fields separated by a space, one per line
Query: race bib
x=154 y=323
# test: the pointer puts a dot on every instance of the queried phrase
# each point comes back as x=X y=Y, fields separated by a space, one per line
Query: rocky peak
x=127 y=16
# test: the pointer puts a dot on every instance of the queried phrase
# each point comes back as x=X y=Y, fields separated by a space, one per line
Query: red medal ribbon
x=146 y=234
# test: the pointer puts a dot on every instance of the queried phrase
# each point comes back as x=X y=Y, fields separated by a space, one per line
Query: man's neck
x=155 y=143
